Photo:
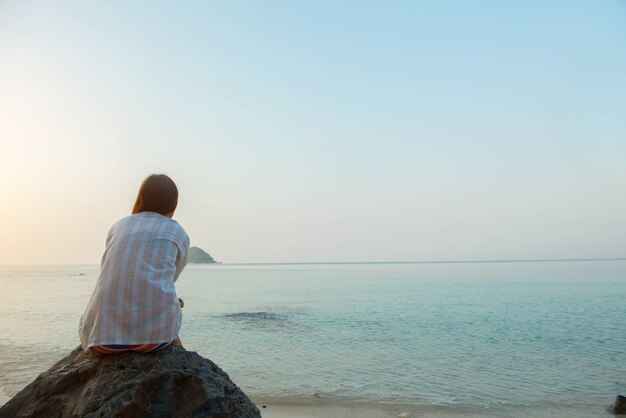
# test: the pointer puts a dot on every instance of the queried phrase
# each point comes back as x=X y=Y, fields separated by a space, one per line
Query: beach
x=277 y=408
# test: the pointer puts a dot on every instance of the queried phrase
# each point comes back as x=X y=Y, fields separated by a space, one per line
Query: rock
x=171 y=383
x=619 y=406
x=198 y=255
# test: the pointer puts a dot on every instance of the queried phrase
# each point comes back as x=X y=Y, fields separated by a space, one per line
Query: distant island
x=198 y=255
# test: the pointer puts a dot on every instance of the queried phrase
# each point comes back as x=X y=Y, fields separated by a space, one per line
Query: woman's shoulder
x=152 y=224
x=119 y=224
x=168 y=227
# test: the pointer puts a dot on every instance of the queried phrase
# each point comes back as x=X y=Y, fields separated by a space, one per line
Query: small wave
x=257 y=316
x=265 y=321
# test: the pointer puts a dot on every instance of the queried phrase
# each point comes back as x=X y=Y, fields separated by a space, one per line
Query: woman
x=134 y=306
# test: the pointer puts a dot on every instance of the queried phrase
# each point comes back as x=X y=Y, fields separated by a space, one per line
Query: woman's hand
x=182 y=302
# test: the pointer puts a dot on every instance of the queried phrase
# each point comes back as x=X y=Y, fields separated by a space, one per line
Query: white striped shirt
x=135 y=300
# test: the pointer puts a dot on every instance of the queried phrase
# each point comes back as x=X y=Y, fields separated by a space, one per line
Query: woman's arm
x=181 y=257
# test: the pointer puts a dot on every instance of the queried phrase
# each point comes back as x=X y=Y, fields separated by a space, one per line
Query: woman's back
x=135 y=300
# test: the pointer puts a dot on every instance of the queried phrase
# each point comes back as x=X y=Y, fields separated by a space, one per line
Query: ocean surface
x=500 y=339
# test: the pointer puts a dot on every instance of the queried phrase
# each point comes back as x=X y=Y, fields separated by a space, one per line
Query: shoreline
x=315 y=407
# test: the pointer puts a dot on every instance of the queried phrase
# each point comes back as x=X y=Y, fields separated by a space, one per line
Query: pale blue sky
x=317 y=131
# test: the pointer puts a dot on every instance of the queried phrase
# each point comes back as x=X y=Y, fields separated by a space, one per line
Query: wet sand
x=318 y=408
x=325 y=408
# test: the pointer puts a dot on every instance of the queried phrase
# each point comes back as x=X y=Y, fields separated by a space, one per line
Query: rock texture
x=619 y=406
x=171 y=383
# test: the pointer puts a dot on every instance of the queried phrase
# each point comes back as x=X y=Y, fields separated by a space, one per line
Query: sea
x=451 y=339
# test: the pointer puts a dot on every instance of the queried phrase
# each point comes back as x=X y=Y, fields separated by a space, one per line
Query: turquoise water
x=501 y=338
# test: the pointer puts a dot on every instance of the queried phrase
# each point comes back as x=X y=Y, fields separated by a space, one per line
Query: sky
x=317 y=131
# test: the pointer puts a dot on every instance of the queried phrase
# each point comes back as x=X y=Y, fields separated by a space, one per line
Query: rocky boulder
x=171 y=383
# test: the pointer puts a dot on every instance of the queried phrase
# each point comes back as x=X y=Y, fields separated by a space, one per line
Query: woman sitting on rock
x=134 y=306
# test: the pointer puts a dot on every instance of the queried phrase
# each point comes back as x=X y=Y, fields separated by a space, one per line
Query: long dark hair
x=158 y=193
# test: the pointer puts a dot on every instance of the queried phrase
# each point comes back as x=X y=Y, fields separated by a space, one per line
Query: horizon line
x=479 y=261
x=453 y=261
